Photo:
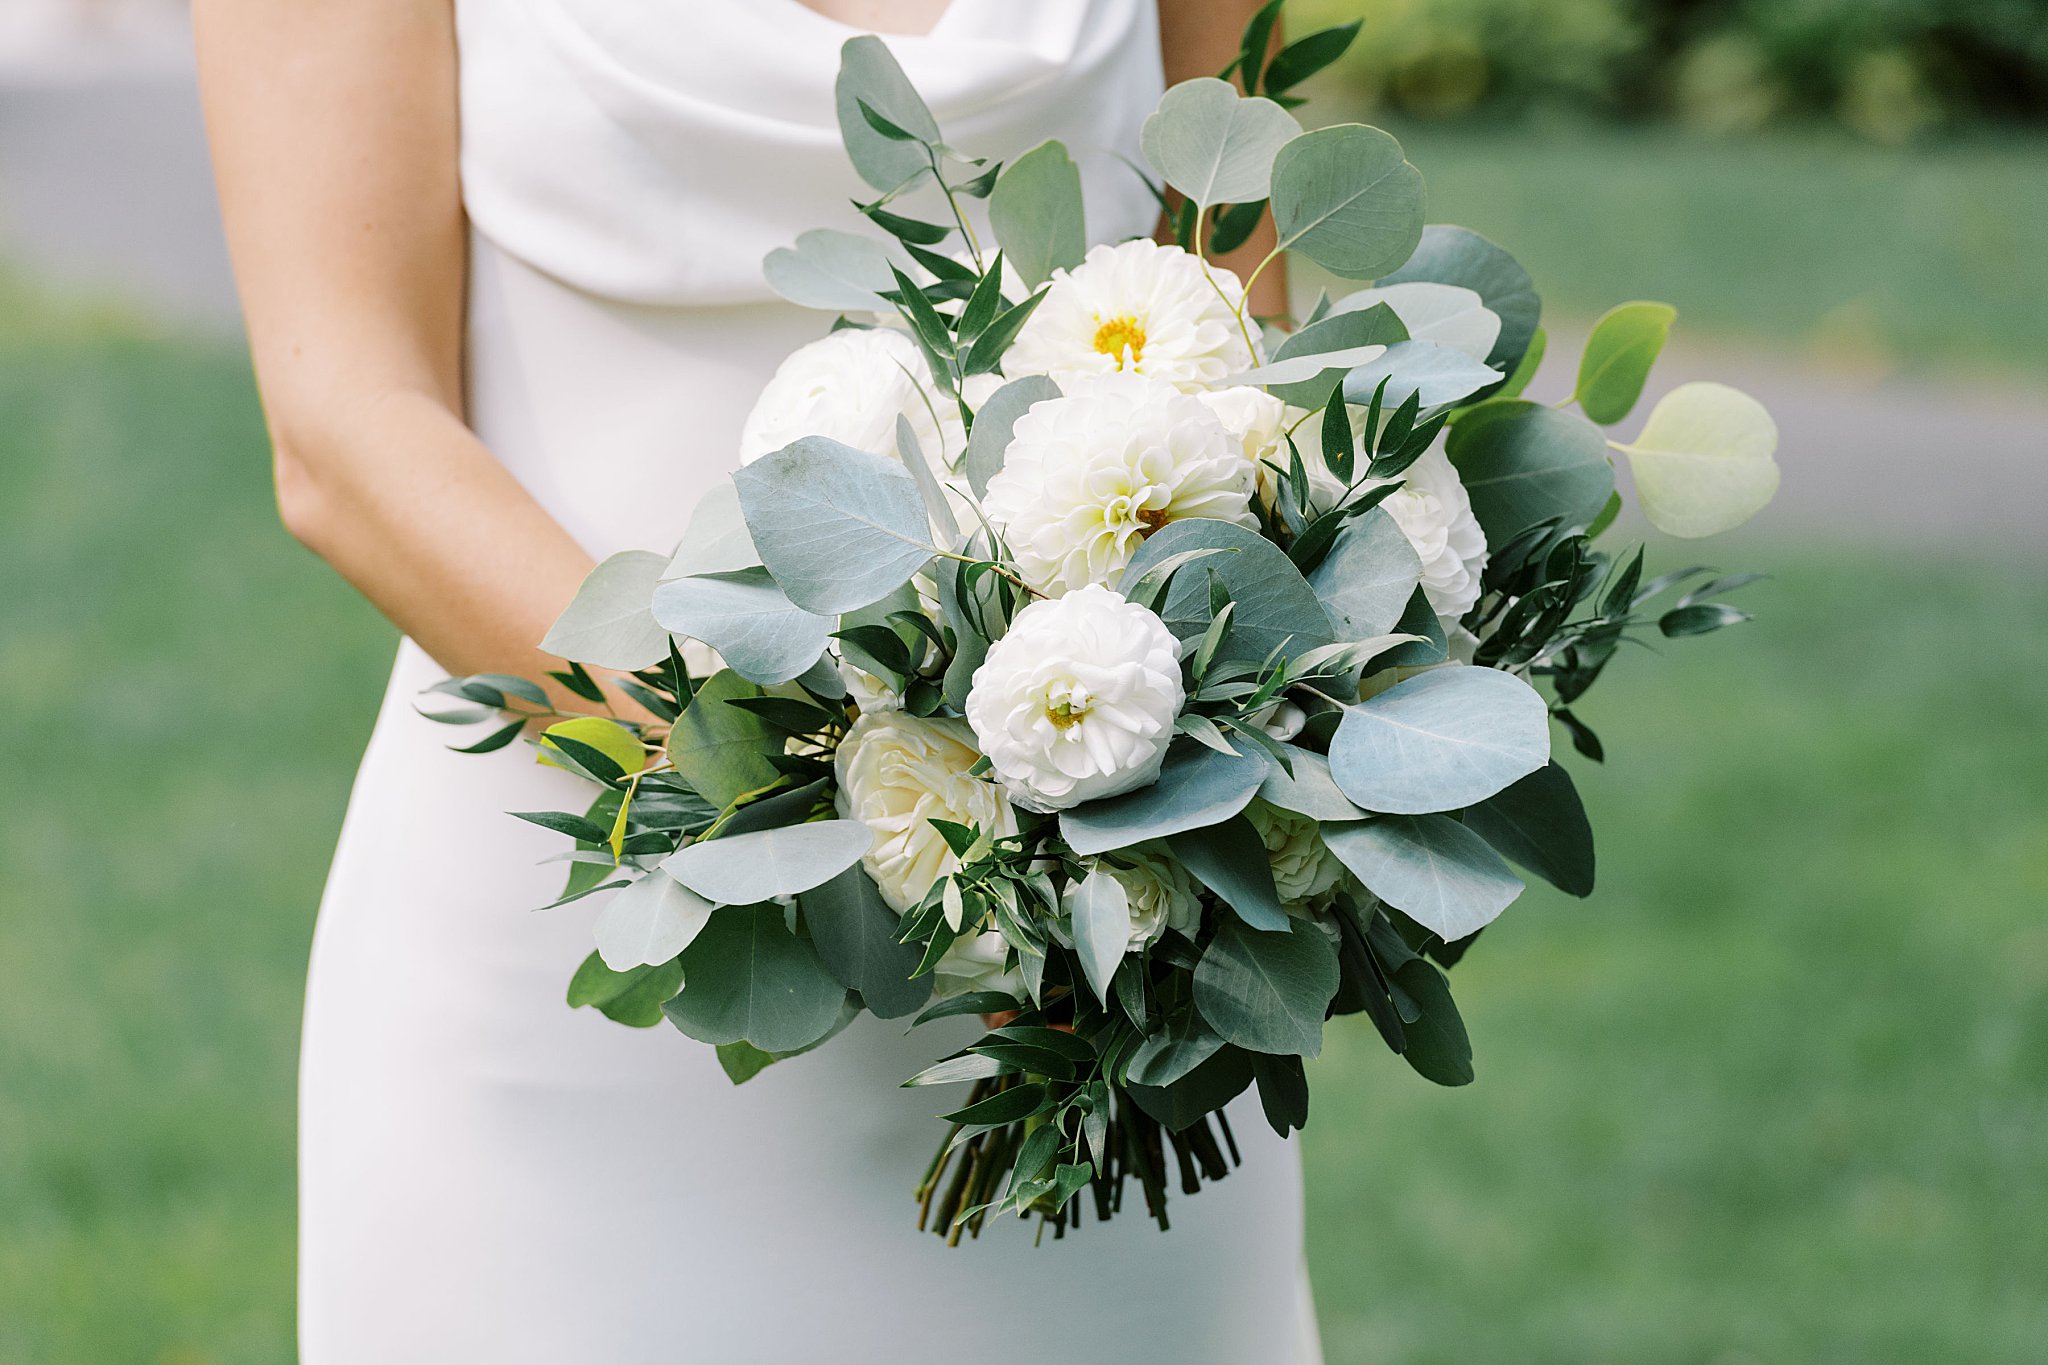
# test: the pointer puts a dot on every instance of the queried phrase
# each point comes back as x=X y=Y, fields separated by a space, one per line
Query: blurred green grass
x=1873 y=257
x=1775 y=1095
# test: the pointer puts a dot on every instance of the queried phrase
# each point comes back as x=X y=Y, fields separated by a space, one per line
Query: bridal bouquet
x=1075 y=650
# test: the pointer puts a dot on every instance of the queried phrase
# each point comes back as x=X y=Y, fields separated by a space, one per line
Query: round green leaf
x=1540 y=823
x=1440 y=741
x=609 y=622
x=1366 y=579
x=1455 y=255
x=1276 y=608
x=1442 y=875
x=720 y=749
x=1197 y=787
x=995 y=423
x=1705 y=462
x=1524 y=463
x=855 y=933
x=649 y=922
x=1037 y=213
x=1267 y=992
x=1623 y=346
x=869 y=74
x=1347 y=199
x=836 y=271
x=837 y=527
x=1213 y=145
x=746 y=978
x=748 y=619
x=1102 y=928
x=1447 y=314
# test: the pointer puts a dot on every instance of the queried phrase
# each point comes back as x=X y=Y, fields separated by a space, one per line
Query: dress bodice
x=654 y=151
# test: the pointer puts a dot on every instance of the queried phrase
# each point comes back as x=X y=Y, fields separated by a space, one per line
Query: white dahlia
x=1090 y=474
x=851 y=385
x=1136 y=306
x=1434 y=512
x=897 y=774
x=1078 y=700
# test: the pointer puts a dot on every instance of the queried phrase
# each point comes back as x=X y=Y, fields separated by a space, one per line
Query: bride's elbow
x=301 y=504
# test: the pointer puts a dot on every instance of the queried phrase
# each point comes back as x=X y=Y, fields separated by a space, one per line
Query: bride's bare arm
x=1198 y=38
x=333 y=124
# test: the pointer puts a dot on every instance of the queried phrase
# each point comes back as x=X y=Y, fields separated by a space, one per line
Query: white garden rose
x=1090 y=474
x=1078 y=700
x=851 y=385
x=974 y=962
x=1304 y=869
x=867 y=692
x=1434 y=512
x=1158 y=889
x=1140 y=307
x=897 y=773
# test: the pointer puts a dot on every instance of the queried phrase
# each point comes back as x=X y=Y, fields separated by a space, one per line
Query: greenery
x=1774 y=1093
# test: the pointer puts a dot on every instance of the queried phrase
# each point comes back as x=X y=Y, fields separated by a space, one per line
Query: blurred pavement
x=105 y=187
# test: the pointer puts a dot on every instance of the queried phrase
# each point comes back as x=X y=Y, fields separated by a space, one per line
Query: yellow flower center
x=1123 y=340
x=1064 y=713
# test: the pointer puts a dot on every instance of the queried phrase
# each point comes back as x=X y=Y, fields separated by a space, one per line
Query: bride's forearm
x=406 y=503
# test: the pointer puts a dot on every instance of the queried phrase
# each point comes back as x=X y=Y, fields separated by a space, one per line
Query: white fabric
x=486 y=1175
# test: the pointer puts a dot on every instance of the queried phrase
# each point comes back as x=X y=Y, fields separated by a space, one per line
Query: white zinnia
x=897 y=774
x=1158 y=890
x=1303 y=867
x=1136 y=306
x=1434 y=512
x=1078 y=700
x=1090 y=474
x=851 y=385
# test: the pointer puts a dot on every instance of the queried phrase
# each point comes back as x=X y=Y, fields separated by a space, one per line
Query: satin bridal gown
x=489 y=1176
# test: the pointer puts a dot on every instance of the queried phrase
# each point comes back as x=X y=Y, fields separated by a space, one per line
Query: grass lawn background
x=1776 y=1094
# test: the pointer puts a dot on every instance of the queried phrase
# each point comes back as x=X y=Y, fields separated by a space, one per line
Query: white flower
x=896 y=774
x=851 y=385
x=1303 y=868
x=1078 y=700
x=868 y=692
x=1159 y=891
x=1136 y=306
x=1090 y=474
x=1434 y=512
x=1282 y=720
x=1257 y=422
x=974 y=962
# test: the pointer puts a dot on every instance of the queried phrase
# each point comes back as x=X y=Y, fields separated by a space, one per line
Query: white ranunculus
x=1090 y=474
x=974 y=962
x=851 y=385
x=1158 y=889
x=1136 y=306
x=1078 y=700
x=897 y=774
x=1304 y=869
x=1434 y=512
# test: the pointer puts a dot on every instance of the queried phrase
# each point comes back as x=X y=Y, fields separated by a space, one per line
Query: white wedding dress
x=489 y=1176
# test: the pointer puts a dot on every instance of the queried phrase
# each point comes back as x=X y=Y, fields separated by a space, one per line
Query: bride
x=500 y=261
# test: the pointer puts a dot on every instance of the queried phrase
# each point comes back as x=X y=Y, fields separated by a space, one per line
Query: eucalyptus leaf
x=1431 y=868
x=1435 y=375
x=1212 y=144
x=1540 y=823
x=1197 y=788
x=716 y=540
x=748 y=619
x=838 y=527
x=1184 y=1043
x=1102 y=928
x=1440 y=741
x=1343 y=341
x=1620 y=350
x=1446 y=314
x=1277 y=611
x=1365 y=581
x=1230 y=859
x=744 y=868
x=869 y=74
x=1524 y=463
x=1204 y=1090
x=839 y=272
x=1437 y=1045
x=1283 y=1091
x=1704 y=462
x=1346 y=198
x=649 y=922
x=609 y=622
x=719 y=749
x=1309 y=790
x=1460 y=256
x=748 y=979
x=996 y=421
x=632 y=997
x=855 y=933
x=1267 y=992
x=1037 y=213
